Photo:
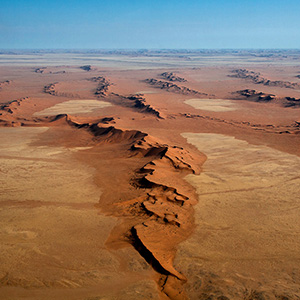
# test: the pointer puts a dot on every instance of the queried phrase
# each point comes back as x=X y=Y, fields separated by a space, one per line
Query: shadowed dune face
x=248 y=220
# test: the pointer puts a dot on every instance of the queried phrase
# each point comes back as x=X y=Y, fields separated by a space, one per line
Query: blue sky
x=91 y=24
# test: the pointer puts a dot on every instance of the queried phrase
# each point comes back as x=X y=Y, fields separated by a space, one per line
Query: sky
x=164 y=24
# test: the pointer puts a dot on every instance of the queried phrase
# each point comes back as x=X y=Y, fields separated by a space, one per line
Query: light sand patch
x=146 y=92
x=73 y=107
x=217 y=105
x=41 y=173
x=247 y=218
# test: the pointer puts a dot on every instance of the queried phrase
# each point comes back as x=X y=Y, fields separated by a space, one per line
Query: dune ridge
x=9 y=113
x=292 y=128
x=52 y=89
x=253 y=95
x=11 y=106
x=5 y=83
x=257 y=78
x=292 y=102
x=46 y=70
x=170 y=76
x=172 y=87
x=165 y=208
x=87 y=68
x=136 y=102
x=164 y=211
x=103 y=85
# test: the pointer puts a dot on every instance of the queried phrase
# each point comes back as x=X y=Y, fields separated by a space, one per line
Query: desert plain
x=150 y=174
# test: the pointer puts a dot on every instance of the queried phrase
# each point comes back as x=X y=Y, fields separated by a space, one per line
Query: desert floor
x=150 y=175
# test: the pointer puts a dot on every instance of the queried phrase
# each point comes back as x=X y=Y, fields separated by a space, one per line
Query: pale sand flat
x=247 y=215
x=73 y=107
x=217 y=105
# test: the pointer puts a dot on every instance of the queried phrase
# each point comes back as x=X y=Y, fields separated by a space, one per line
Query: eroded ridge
x=259 y=79
x=172 y=87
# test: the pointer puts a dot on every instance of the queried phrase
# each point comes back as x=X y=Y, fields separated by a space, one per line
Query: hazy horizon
x=228 y=50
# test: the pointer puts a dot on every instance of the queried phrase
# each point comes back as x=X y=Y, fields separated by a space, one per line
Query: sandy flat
x=146 y=92
x=247 y=218
x=48 y=218
x=217 y=105
x=73 y=107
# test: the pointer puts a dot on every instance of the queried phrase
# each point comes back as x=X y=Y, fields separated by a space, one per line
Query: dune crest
x=103 y=85
x=172 y=87
x=163 y=213
x=259 y=79
x=170 y=76
x=53 y=89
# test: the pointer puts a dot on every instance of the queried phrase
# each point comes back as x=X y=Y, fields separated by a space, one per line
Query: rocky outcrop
x=171 y=87
x=257 y=78
x=170 y=76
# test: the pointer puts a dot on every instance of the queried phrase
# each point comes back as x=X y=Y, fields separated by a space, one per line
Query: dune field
x=150 y=175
